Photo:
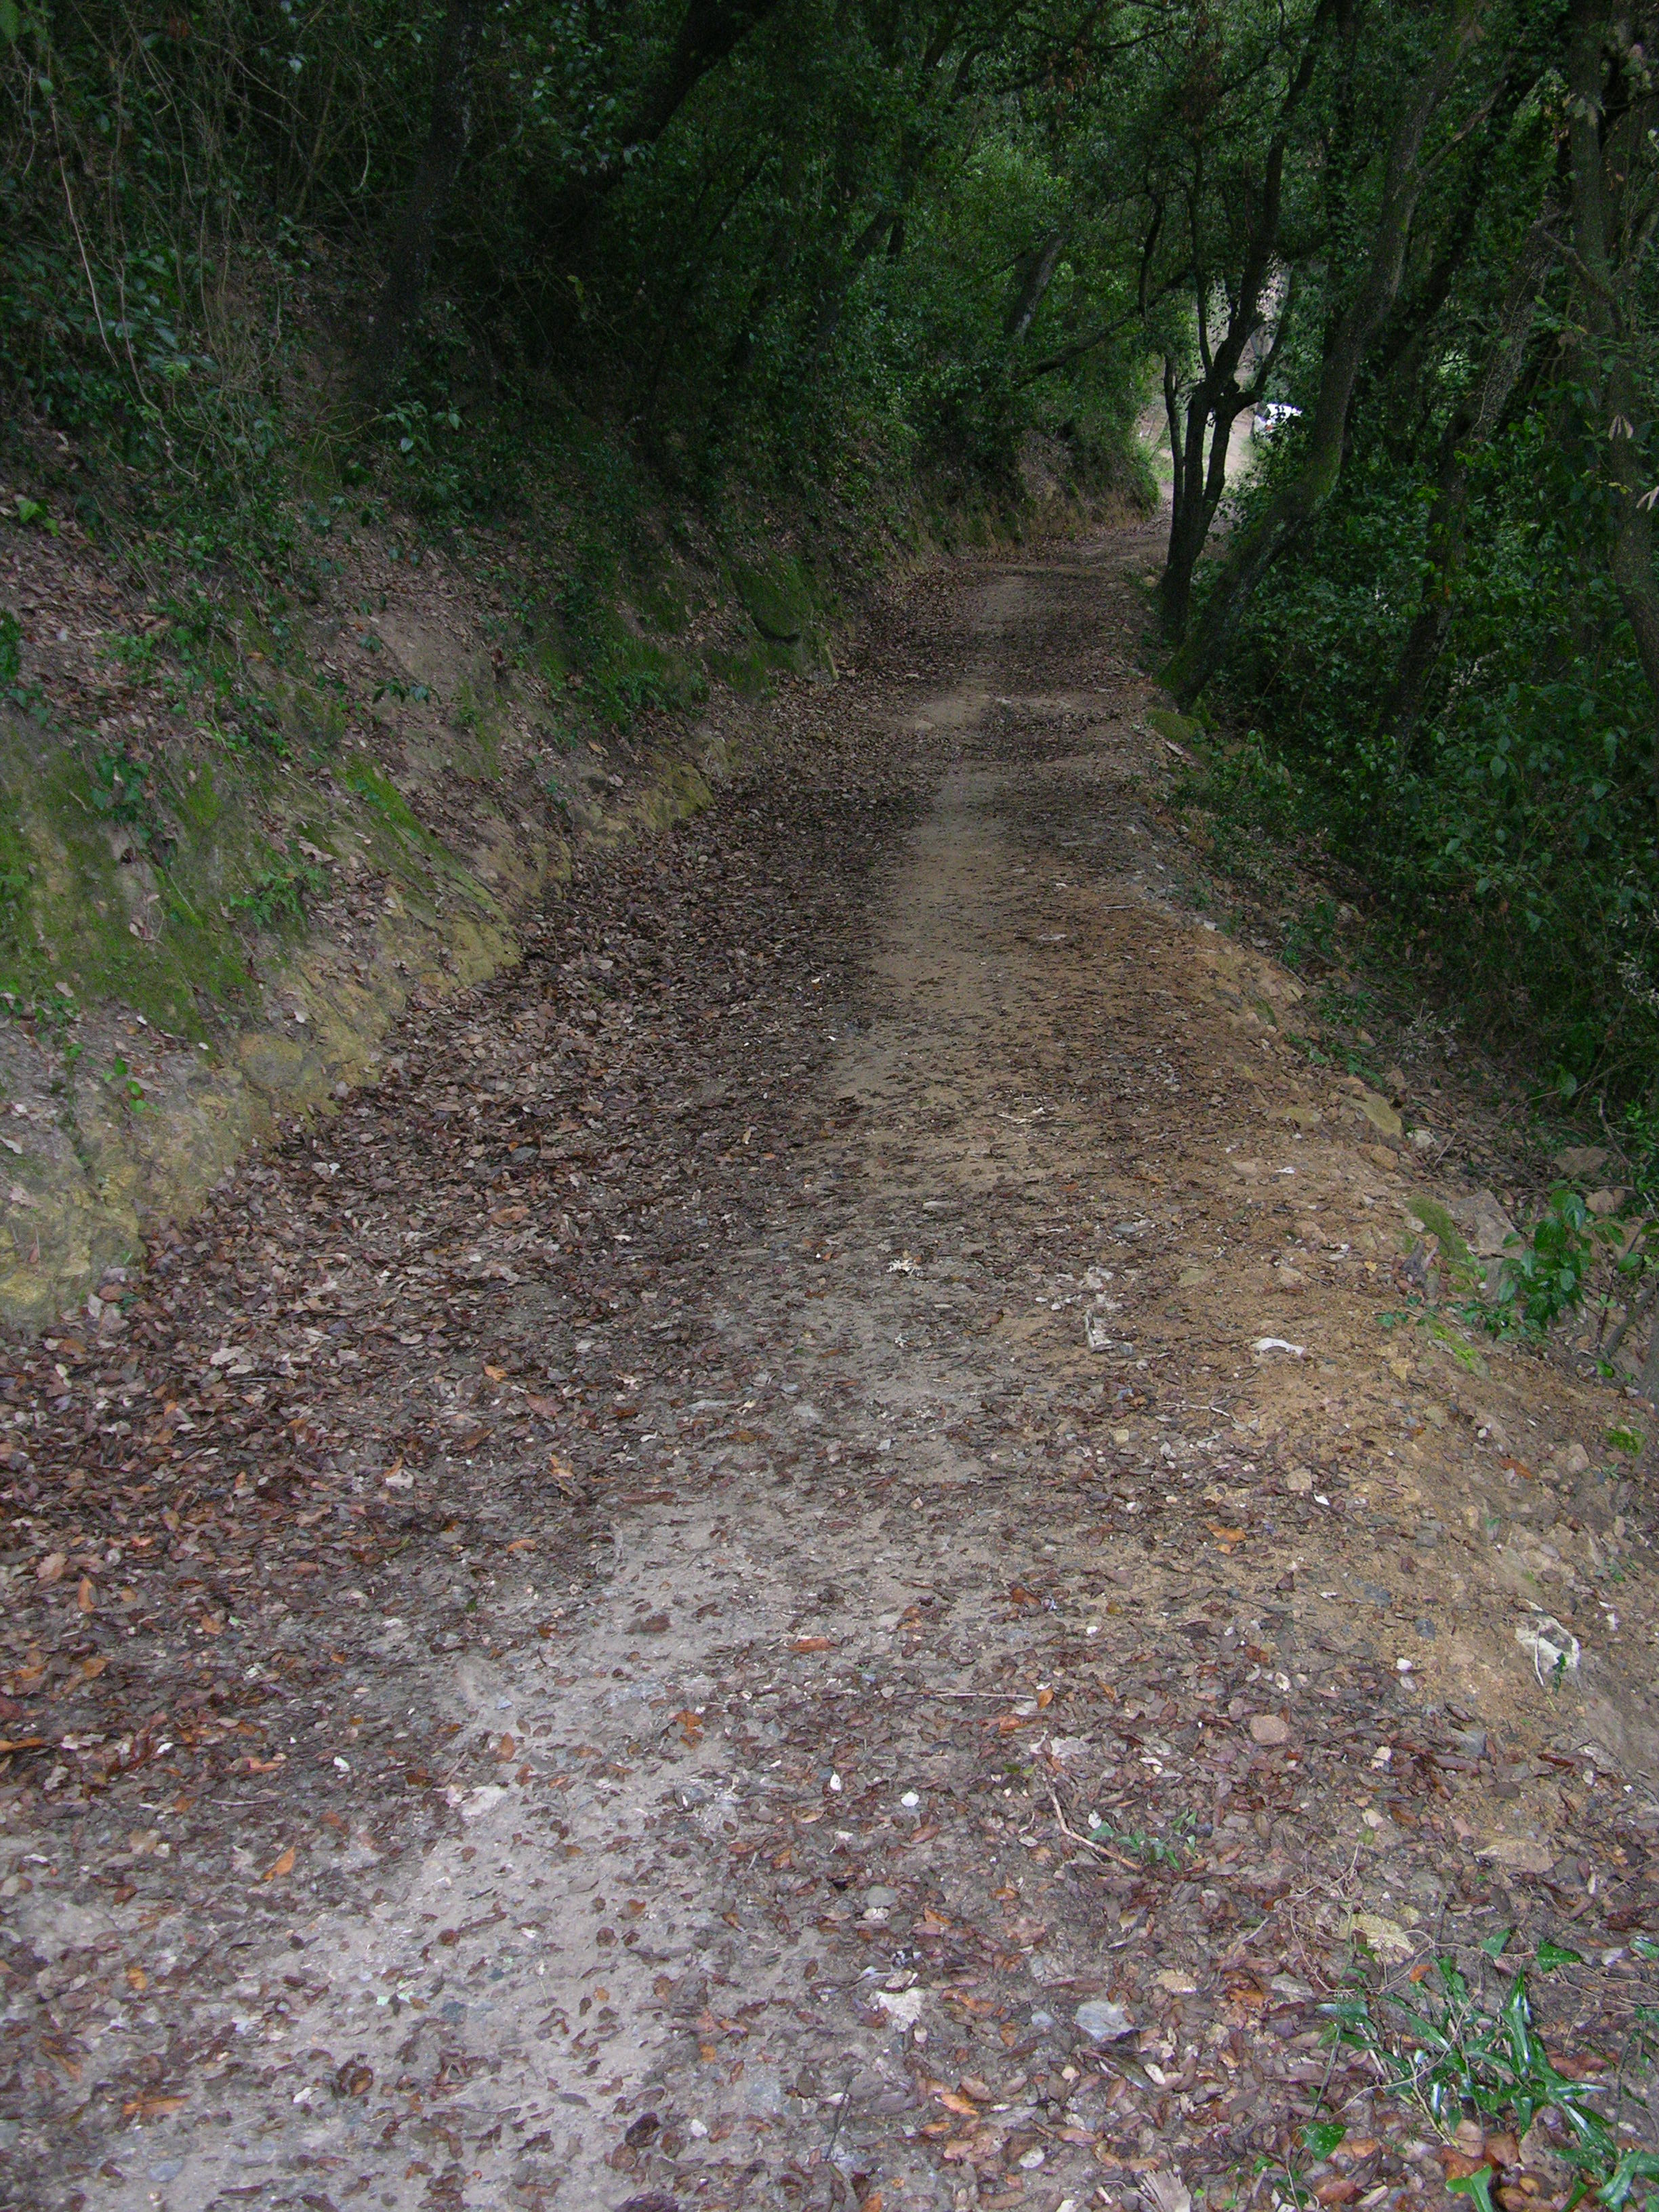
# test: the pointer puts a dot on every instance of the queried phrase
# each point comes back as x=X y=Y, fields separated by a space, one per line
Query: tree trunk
x=1217 y=401
x=1604 y=353
x=410 y=259
x=1038 y=277
x=708 y=31
x=1473 y=423
x=1253 y=550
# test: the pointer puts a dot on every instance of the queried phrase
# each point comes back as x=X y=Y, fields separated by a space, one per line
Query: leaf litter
x=594 y=1633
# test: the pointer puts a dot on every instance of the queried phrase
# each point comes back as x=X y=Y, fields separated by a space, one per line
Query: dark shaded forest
x=779 y=249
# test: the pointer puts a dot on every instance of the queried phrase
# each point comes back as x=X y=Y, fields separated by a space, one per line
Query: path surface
x=624 y=1566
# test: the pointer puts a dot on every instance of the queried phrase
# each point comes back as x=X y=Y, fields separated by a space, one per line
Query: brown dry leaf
x=279 y=1866
x=8 y=1744
x=151 y=2108
x=1459 y=2166
x=137 y=1978
x=803 y=1643
x=49 y=1568
x=1340 y=2189
x=92 y=1669
x=86 y=1595
x=1045 y=1698
x=953 y=2103
x=496 y=1374
x=522 y=1544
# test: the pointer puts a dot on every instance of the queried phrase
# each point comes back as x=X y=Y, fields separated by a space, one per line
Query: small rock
x=1101 y=2022
x=1381 y=1115
x=1581 y=1161
x=1485 y=1224
x=902 y=2007
x=1520 y=1853
x=1269 y=1728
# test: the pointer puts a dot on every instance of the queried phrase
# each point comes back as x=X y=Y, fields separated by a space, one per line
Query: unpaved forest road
x=657 y=1550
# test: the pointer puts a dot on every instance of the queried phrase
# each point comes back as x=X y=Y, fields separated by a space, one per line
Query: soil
x=840 y=1474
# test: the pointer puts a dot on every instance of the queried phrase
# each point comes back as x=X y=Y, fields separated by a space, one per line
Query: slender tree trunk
x=833 y=305
x=1253 y=550
x=1605 y=368
x=1471 y=427
x=410 y=259
x=1216 y=400
x=1038 y=277
x=709 y=30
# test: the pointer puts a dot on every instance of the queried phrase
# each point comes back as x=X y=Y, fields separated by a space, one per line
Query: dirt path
x=624 y=1566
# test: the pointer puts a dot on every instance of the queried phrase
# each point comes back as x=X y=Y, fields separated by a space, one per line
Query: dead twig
x=1101 y=1850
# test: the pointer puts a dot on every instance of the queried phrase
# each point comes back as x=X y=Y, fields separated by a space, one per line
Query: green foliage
x=279 y=894
x=1543 y=1273
x=1445 y=2051
x=1452 y=2052
x=11 y=657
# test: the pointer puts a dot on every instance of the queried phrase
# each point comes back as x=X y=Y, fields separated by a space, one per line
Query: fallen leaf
x=85 y=1595
x=52 y=1567
x=1168 y=2191
x=1381 y=1935
x=803 y=1643
x=151 y=2108
x=279 y=1866
x=1459 y=2166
